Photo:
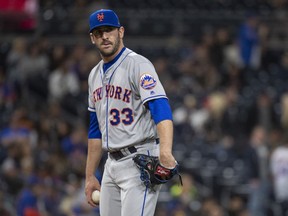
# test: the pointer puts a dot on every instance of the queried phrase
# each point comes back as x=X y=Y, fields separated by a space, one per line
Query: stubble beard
x=115 y=48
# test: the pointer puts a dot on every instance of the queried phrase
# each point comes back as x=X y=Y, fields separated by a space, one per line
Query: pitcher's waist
x=123 y=152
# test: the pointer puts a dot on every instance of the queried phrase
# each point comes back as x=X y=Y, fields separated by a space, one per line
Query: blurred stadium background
x=224 y=64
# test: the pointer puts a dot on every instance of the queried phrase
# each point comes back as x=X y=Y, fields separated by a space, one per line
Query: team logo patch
x=147 y=81
x=100 y=17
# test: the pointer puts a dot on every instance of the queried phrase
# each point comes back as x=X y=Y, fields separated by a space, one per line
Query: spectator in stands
x=83 y=63
x=17 y=130
x=34 y=63
x=258 y=202
x=232 y=55
x=279 y=170
x=236 y=205
x=13 y=61
x=29 y=199
x=63 y=82
x=211 y=207
x=11 y=168
x=220 y=43
x=54 y=125
x=283 y=67
x=216 y=105
x=187 y=196
x=249 y=41
x=56 y=56
x=232 y=76
x=73 y=201
x=284 y=112
x=262 y=113
x=8 y=96
x=74 y=147
x=25 y=65
x=189 y=119
x=233 y=119
x=5 y=209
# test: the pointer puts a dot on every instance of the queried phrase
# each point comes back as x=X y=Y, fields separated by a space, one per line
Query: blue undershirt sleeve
x=160 y=110
x=94 y=131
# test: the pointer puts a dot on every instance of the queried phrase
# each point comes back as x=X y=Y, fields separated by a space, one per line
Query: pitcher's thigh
x=139 y=201
x=110 y=200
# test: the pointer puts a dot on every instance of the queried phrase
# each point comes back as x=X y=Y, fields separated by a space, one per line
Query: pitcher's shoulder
x=95 y=70
x=138 y=58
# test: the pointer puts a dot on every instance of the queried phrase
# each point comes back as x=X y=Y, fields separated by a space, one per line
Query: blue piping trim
x=144 y=201
x=107 y=146
x=154 y=97
x=145 y=195
x=91 y=108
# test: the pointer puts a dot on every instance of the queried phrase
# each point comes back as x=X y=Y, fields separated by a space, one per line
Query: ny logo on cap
x=100 y=17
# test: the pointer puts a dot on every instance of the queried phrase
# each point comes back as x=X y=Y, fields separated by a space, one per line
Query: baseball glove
x=152 y=172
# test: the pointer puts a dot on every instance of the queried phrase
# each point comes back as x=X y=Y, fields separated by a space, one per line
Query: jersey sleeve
x=94 y=131
x=148 y=82
x=160 y=110
x=91 y=100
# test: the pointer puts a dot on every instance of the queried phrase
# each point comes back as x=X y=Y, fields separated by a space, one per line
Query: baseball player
x=129 y=114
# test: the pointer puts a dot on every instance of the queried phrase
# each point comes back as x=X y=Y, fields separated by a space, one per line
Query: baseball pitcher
x=130 y=117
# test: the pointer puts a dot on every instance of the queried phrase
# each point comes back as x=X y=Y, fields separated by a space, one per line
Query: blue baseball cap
x=103 y=17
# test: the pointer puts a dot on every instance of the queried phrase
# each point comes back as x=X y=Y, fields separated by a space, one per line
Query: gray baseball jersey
x=118 y=97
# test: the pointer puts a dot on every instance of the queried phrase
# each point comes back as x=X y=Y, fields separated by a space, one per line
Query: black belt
x=117 y=155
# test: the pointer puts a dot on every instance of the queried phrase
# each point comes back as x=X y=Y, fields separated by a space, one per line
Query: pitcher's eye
x=99 y=31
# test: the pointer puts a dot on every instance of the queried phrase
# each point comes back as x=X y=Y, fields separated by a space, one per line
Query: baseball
x=96 y=196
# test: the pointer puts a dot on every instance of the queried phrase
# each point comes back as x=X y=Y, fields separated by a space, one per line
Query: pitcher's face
x=108 y=40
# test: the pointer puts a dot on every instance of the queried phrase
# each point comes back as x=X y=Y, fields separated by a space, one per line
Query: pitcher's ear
x=92 y=38
x=121 y=30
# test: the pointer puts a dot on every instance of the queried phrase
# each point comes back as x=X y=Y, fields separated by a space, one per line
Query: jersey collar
x=107 y=65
